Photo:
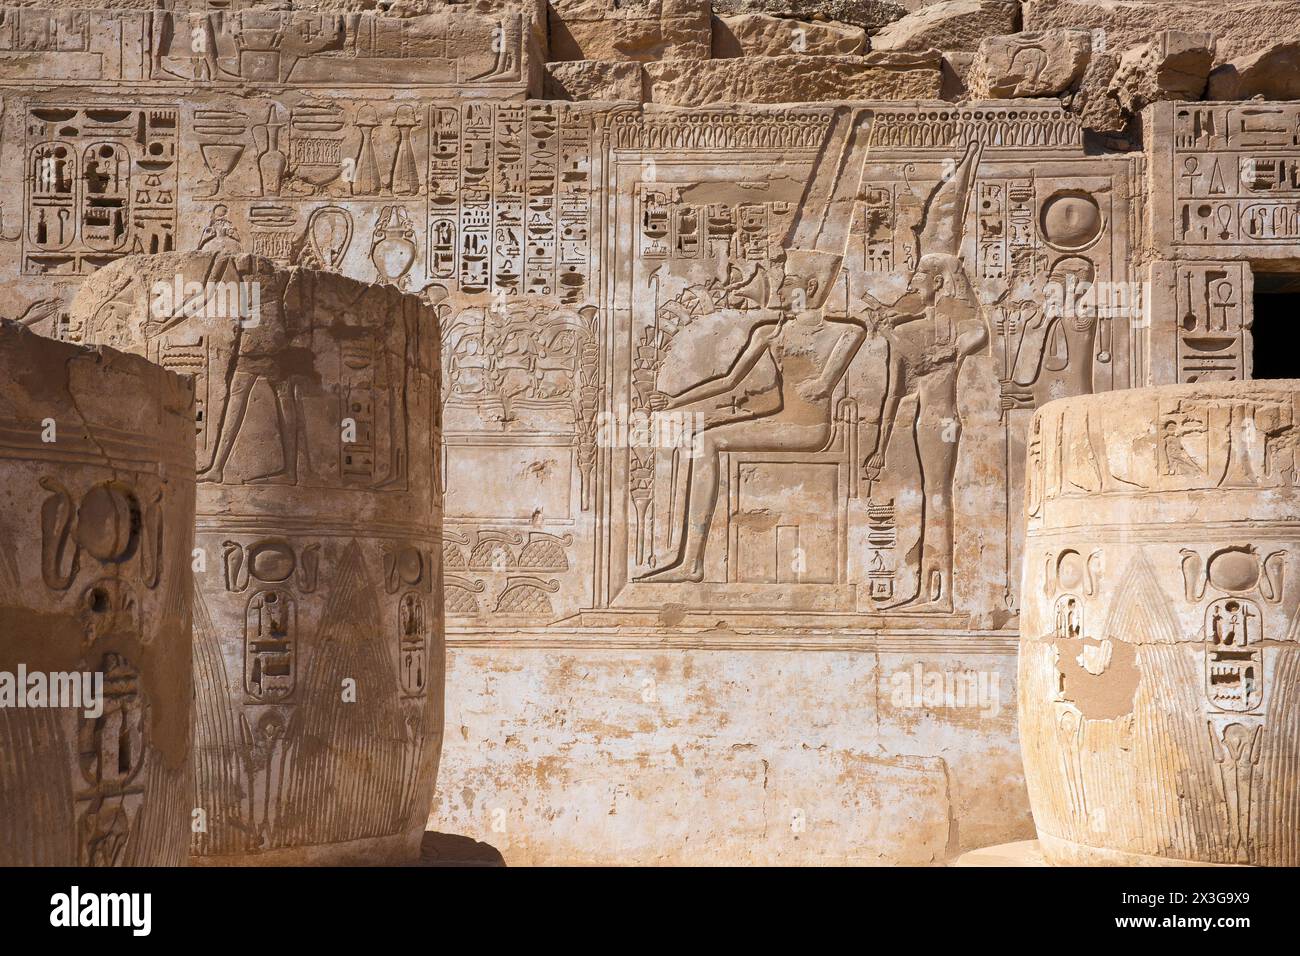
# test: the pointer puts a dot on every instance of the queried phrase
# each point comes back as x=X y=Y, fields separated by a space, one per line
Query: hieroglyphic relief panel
x=1048 y=246
x=103 y=110
x=509 y=199
x=489 y=198
x=588 y=262
x=1225 y=179
x=355 y=185
x=707 y=198
x=860 y=304
x=485 y=207
x=511 y=273
x=464 y=54
x=521 y=390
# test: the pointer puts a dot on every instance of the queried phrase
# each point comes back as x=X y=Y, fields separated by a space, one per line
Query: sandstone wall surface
x=661 y=650
x=318 y=634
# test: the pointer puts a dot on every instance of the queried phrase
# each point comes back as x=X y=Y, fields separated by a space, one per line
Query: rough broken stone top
x=66 y=382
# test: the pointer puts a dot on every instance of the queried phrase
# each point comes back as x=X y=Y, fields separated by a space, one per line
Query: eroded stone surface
x=96 y=529
x=871 y=15
x=1158 y=658
x=756 y=34
x=954 y=68
x=786 y=758
x=792 y=79
x=593 y=80
x=1173 y=66
x=1095 y=100
x=1241 y=26
x=645 y=31
x=1273 y=73
x=949 y=25
x=318 y=662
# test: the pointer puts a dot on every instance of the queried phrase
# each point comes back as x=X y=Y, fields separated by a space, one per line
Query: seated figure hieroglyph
x=811 y=353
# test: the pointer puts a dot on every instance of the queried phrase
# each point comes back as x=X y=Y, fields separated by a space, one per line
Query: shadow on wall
x=450 y=849
x=1277 y=302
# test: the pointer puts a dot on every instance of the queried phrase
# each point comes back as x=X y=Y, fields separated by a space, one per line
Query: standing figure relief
x=931 y=329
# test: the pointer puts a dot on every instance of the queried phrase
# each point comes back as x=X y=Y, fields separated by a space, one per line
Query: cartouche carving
x=318 y=648
x=95 y=451
x=1172 y=657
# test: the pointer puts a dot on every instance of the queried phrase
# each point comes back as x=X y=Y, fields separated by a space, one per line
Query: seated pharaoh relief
x=928 y=330
x=811 y=352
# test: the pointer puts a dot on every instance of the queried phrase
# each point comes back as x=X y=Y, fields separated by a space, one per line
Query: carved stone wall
x=1158 y=680
x=96 y=529
x=318 y=628
x=743 y=320
x=862 y=508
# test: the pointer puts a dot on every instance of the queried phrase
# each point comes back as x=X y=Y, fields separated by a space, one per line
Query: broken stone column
x=318 y=658
x=96 y=533
x=1159 y=664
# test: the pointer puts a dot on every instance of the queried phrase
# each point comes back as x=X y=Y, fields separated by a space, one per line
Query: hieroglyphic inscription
x=1201 y=313
x=322 y=402
x=100 y=183
x=509 y=199
x=1226 y=179
x=219 y=47
x=586 y=261
x=100 y=553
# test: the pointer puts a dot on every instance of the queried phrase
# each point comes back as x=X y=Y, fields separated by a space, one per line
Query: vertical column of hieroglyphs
x=1159 y=658
x=96 y=533
x=510 y=263
x=318 y=627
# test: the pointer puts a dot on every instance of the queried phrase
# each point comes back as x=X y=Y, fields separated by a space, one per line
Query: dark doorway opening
x=1276 y=329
